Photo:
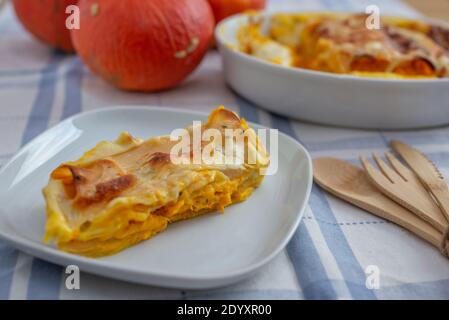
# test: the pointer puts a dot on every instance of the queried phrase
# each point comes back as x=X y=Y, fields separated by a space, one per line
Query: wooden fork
x=402 y=186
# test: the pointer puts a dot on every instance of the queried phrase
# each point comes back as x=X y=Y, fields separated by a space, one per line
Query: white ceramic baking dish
x=328 y=98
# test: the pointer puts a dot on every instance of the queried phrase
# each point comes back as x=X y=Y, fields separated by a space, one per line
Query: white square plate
x=209 y=251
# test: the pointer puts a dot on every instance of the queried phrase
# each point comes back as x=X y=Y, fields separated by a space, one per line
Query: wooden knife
x=427 y=172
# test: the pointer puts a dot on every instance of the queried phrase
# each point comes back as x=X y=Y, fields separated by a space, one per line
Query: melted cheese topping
x=120 y=193
x=341 y=43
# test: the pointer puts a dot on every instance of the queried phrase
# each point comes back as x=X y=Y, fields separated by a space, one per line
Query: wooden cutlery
x=416 y=198
x=401 y=185
x=427 y=172
x=351 y=184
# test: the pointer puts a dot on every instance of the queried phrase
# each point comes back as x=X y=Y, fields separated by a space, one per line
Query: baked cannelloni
x=126 y=191
x=345 y=44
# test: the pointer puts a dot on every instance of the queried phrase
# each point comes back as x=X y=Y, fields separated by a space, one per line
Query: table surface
x=432 y=8
x=336 y=246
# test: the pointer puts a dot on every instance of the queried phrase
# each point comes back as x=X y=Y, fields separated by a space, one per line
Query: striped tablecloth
x=330 y=254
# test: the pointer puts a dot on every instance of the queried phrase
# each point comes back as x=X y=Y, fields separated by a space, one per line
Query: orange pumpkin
x=225 y=8
x=143 y=45
x=46 y=19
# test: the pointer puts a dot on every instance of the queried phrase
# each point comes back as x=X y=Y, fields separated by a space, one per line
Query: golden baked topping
x=342 y=43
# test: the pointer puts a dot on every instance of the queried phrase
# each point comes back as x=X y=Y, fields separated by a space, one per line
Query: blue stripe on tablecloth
x=41 y=109
x=429 y=290
x=244 y=295
x=37 y=123
x=28 y=72
x=378 y=141
x=8 y=262
x=340 y=5
x=334 y=236
x=309 y=269
x=247 y=109
x=338 y=244
x=439 y=136
x=328 y=4
x=424 y=138
x=22 y=85
x=45 y=278
x=25 y=72
x=73 y=83
x=353 y=143
x=441 y=159
x=45 y=281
